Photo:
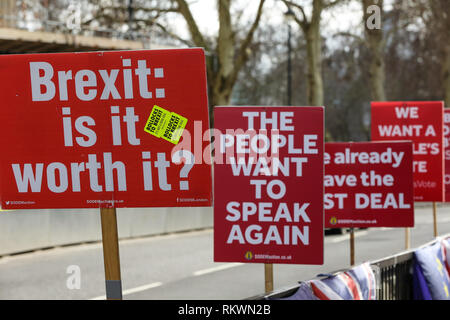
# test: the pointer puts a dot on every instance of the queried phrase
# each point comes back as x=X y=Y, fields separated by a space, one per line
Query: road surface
x=180 y=266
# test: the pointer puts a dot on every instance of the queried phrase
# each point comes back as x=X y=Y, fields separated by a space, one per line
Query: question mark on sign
x=189 y=160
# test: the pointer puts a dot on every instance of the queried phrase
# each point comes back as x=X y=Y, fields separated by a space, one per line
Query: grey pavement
x=180 y=265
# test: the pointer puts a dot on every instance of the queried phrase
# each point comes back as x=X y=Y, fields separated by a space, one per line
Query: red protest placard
x=447 y=153
x=368 y=184
x=268 y=185
x=423 y=124
x=101 y=129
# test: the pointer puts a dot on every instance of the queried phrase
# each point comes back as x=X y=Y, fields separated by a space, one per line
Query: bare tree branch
x=242 y=53
x=350 y=35
x=197 y=36
x=144 y=9
x=332 y=3
x=291 y=4
x=173 y=35
x=304 y=23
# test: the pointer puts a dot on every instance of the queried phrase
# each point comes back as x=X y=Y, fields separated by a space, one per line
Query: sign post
x=268 y=186
x=407 y=238
x=107 y=130
x=435 y=227
x=352 y=246
x=421 y=122
x=268 y=277
x=111 y=258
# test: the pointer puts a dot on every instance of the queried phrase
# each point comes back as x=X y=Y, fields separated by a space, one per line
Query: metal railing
x=394 y=276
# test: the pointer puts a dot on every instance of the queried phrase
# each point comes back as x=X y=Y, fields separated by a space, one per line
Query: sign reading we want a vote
x=423 y=124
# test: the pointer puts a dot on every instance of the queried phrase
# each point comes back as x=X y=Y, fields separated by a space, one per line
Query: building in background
x=31 y=27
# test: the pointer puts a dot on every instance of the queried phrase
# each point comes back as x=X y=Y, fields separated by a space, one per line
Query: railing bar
x=395 y=275
x=401 y=283
x=391 y=282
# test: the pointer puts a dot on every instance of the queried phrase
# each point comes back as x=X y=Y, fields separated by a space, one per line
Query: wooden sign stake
x=352 y=247
x=111 y=254
x=407 y=239
x=268 y=276
x=435 y=230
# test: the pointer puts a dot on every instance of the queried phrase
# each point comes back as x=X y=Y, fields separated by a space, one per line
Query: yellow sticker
x=174 y=128
x=333 y=221
x=157 y=121
x=249 y=255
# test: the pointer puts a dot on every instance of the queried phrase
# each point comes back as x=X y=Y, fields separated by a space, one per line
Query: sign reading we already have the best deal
x=368 y=184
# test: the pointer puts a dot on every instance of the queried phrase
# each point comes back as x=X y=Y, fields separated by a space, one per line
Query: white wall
x=25 y=230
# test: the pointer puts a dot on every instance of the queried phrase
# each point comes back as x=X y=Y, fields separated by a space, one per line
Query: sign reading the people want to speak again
x=268 y=185
x=103 y=129
x=423 y=124
x=368 y=184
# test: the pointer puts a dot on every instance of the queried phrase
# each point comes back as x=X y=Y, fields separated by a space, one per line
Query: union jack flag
x=446 y=248
x=304 y=292
x=358 y=283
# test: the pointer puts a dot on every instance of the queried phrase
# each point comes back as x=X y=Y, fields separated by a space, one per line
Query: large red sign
x=447 y=153
x=368 y=184
x=268 y=185
x=423 y=124
x=103 y=129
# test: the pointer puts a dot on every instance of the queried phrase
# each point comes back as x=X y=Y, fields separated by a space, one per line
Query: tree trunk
x=446 y=76
x=221 y=75
x=223 y=80
x=377 y=76
x=375 y=44
x=218 y=96
x=314 y=60
x=438 y=26
x=314 y=56
x=222 y=97
x=226 y=60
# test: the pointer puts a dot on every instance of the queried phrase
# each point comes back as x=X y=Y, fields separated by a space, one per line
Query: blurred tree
x=129 y=16
x=311 y=30
x=417 y=53
x=406 y=59
x=227 y=52
x=438 y=26
x=375 y=42
x=227 y=55
x=348 y=95
x=262 y=80
x=52 y=15
x=7 y=11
